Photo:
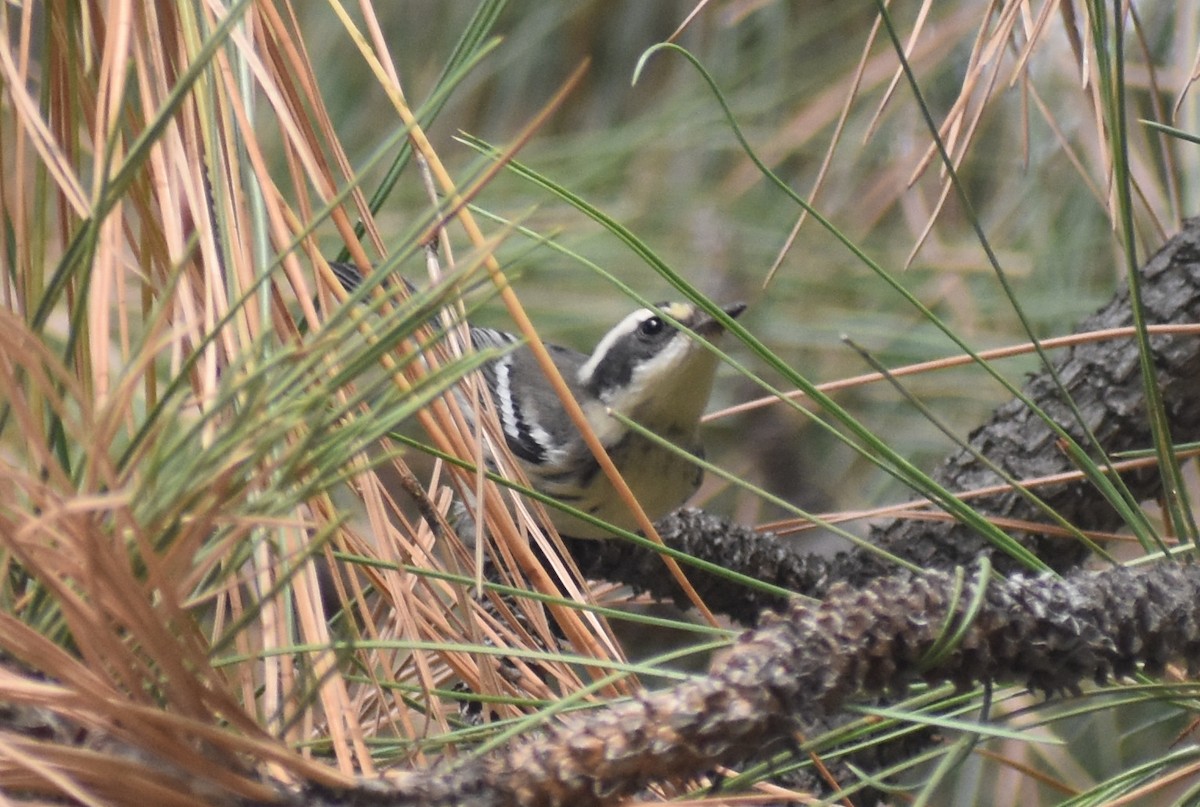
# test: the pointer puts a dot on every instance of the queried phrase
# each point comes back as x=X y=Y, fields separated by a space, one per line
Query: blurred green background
x=659 y=157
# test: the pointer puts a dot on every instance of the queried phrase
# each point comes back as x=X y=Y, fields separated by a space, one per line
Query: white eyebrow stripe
x=620 y=330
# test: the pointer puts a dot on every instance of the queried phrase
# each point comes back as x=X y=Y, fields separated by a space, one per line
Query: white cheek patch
x=662 y=366
x=620 y=330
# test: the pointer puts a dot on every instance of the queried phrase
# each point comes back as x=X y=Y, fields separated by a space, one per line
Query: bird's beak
x=709 y=327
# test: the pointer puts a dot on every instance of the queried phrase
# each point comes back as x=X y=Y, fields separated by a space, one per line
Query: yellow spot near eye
x=679 y=311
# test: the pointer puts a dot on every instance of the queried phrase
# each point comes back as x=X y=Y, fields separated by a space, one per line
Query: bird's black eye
x=651 y=327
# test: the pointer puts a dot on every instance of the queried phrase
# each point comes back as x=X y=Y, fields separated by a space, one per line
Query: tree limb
x=1103 y=380
x=1051 y=634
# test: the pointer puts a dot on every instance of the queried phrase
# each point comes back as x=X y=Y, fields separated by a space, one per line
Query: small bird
x=645 y=368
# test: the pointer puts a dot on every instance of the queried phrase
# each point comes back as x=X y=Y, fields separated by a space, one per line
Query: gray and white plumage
x=644 y=367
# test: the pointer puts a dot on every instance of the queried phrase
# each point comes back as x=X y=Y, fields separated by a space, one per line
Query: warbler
x=646 y=367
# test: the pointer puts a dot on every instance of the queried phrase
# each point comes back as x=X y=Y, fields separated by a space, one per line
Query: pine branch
x=873 y=634
x=1103 y=380
x=806 y=664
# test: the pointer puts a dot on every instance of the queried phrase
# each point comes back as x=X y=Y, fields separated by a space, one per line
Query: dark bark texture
x=1103 y=379
x=805 y=663
x=876 y=629
x=1105 y=382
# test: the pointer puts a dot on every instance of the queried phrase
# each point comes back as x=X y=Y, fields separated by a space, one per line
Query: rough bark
x=1105 y=382
x=876 y=631
x=1102 y=378
x=804 y=664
